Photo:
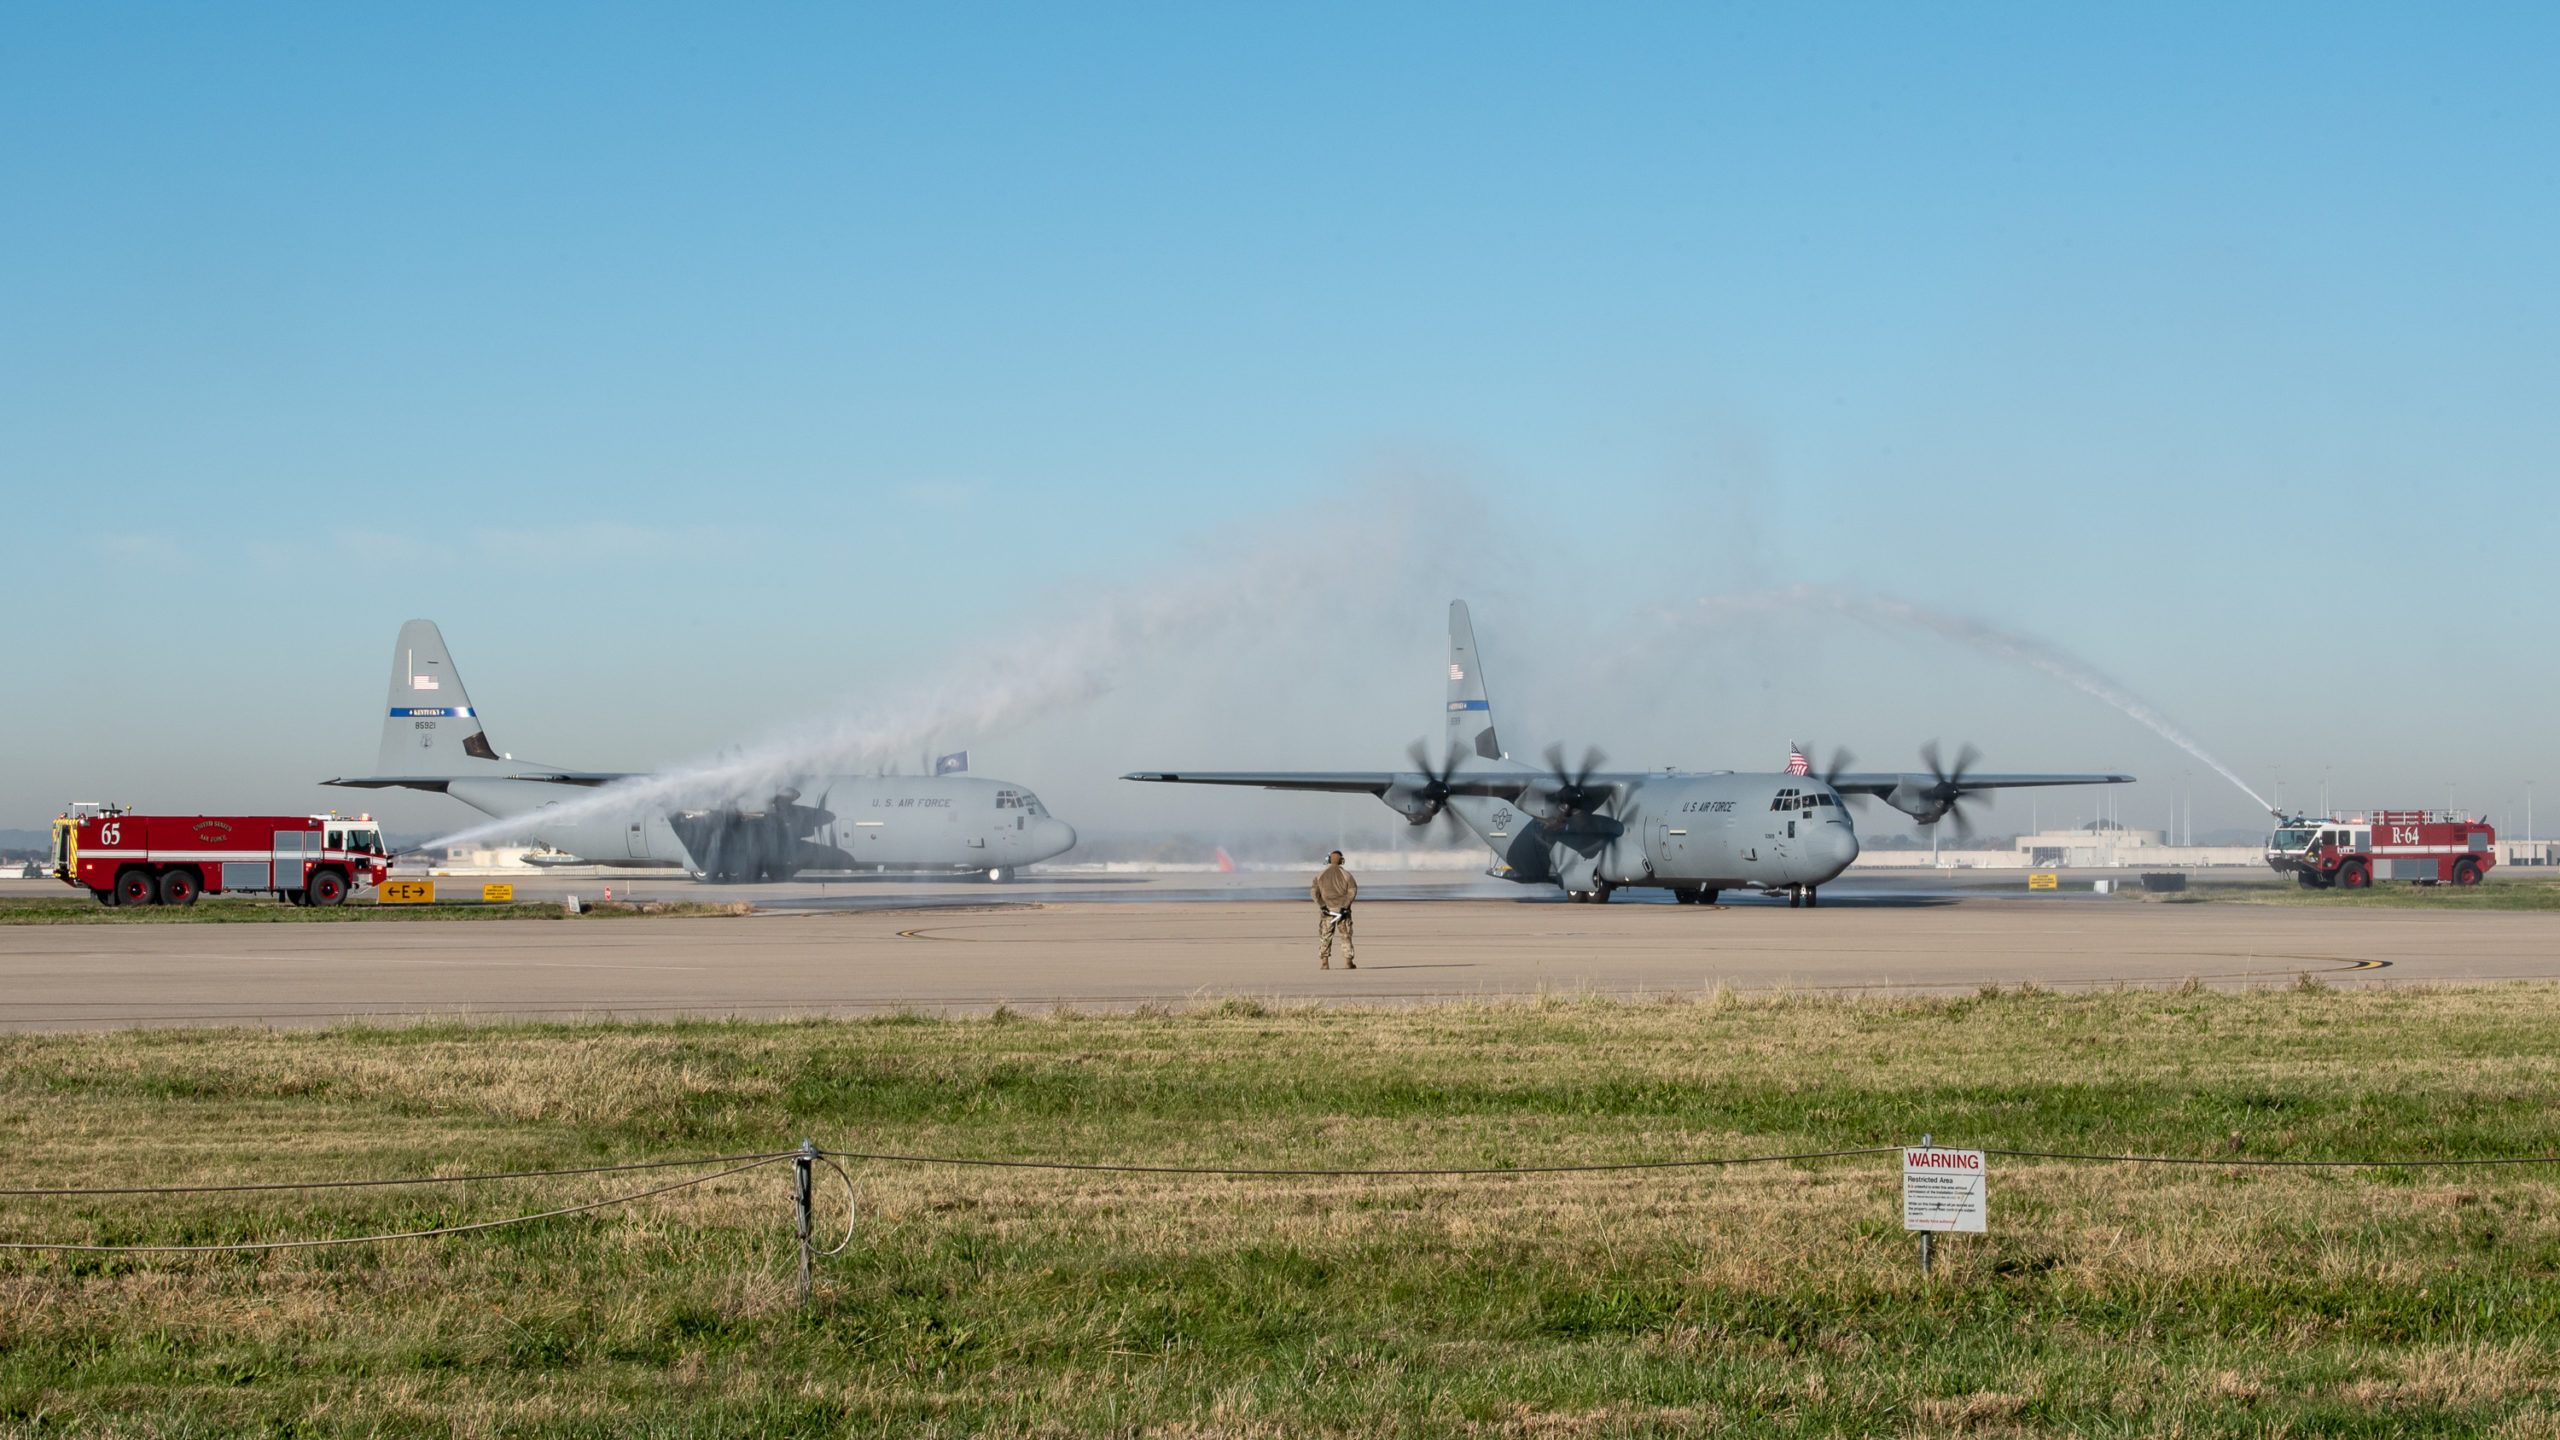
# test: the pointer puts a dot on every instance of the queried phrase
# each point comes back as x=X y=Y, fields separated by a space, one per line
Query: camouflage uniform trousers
x=1330 y=923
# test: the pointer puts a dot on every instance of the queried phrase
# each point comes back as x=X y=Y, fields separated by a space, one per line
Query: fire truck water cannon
x=128 y=859
x=2351 y=852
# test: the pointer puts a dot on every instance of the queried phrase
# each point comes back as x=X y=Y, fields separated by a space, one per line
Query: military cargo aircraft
x=432 y=740
x=1696 y=834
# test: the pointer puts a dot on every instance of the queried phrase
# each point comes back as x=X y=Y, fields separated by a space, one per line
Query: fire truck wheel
x=136 y=887
x=327 y=887
x=2306 y=879
x=2466 y=872
x=178 y=887
x=2353 y=876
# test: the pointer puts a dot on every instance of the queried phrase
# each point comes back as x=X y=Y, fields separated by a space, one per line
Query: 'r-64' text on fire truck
x=128 y=859
x=2431 y=847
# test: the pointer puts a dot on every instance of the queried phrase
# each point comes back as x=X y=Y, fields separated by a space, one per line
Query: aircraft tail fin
x=432 y=727
x=1470 y=709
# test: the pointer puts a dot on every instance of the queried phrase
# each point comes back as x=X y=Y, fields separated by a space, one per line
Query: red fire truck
x=128 y=859
x=2432 y=847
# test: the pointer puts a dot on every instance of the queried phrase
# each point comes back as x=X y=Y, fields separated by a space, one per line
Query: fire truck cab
x=2350 y=852
x=129 y=859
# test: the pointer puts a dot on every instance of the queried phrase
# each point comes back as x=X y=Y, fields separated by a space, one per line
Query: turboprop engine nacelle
x=1921 y=798
x=1407 y=798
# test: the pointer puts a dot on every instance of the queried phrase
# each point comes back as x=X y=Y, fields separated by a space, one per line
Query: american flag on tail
x=1796 y=763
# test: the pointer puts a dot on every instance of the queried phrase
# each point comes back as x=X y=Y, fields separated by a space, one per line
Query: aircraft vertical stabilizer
x=431 y=727
x=1470 y=709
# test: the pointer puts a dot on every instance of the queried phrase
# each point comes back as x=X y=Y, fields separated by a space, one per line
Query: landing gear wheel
x=136 y=887
x=1795 y=897
x=1705 y=896
x=1812 y=895
x=2354 y=876
x=327 y=888
x=1601 y=895
x=178 y=887
x=2466 y=871
x=997 y=875
x=1684 y=894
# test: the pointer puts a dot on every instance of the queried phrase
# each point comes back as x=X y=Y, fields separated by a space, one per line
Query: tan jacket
x=1335 y=889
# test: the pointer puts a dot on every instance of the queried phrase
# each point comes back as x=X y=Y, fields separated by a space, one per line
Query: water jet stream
x=1885 y=611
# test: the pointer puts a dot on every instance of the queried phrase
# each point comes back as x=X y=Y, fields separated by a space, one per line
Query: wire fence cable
x=408 y=1180
x=405 y=1234
x=1415 y=1172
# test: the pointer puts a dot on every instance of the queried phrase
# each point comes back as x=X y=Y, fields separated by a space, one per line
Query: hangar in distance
x=433 y=740
x=1695 y=834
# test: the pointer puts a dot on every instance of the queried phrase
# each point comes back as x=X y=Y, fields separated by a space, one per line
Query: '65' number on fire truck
x=110 y=834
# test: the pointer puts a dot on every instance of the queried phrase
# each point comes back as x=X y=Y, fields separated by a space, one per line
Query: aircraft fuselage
x=1680 y=832
x=955 y=824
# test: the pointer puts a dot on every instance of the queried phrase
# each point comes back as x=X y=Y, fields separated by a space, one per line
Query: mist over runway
x=965 y=950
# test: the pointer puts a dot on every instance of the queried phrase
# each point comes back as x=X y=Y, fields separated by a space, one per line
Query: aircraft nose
x=1053 y=836
x=1834 y=846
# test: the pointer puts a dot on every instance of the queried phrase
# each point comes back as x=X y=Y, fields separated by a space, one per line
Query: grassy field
x=2499 y=890
x=1779 y=1300
x=69 y=909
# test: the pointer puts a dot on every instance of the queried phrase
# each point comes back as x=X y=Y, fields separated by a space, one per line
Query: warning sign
x=2043 y=880
x=406 y=892
x=1945 y=1190
x=497 y=894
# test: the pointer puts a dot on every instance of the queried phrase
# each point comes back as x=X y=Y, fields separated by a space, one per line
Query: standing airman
x=1334 y=891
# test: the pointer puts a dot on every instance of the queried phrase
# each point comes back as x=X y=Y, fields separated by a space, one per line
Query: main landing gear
x=1802 y=897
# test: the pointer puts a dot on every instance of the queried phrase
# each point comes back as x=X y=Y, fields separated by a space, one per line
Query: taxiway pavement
x=962 y=949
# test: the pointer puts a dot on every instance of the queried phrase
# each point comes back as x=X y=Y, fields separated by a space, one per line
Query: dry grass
x=1775 y=1299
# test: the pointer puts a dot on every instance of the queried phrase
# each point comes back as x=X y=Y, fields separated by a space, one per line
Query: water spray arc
x=1082 y=652
x=1976 y=635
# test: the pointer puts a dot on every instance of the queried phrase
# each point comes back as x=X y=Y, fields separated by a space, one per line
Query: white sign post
x=1944 y=1190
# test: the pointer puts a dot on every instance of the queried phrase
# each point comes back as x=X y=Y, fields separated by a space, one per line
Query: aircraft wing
x=438 y=782
x=1873 y=784
x=1339 y=782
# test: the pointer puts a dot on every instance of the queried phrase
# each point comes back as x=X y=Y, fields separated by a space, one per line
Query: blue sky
x=701 y=367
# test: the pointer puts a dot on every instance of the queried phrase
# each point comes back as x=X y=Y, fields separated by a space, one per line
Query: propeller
x=1572 y=793
x=1830 y=774
x=1429 y=801
x=1841 y=760
x=1947 y=787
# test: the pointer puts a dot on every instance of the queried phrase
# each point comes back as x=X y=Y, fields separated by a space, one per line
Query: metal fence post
x=804 y=1167
x=1924 y=1235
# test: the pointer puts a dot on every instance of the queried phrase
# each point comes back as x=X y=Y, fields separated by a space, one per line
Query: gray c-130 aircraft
x=1592 y=832
x=432 y=740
